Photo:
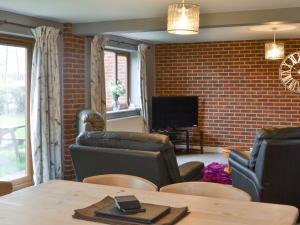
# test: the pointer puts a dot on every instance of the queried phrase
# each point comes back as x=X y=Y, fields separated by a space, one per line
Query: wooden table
x=53 y=204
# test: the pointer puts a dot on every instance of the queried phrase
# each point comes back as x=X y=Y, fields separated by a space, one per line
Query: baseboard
x=205 y=148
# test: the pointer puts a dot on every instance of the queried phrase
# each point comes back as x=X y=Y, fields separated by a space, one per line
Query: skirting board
x=205 y=148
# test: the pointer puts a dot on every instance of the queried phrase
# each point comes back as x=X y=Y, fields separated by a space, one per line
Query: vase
x=116 y=105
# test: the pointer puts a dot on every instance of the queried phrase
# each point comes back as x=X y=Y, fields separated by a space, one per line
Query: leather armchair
x=270 y=173
x=150 y=156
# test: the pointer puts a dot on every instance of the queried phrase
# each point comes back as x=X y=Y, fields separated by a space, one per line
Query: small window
x=116 y=65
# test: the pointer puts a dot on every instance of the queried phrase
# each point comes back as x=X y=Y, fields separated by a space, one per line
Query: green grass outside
x=10 y=162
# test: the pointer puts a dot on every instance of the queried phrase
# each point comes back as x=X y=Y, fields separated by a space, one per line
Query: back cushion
x=274 y=133
x=125 y=140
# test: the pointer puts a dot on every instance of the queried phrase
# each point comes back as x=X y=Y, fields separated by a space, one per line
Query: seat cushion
x=191 y=171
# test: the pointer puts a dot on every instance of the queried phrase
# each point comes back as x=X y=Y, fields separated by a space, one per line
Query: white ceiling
x=213 y=34
x=78 y=11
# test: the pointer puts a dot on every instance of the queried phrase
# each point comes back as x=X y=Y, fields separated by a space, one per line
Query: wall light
x=273 y=50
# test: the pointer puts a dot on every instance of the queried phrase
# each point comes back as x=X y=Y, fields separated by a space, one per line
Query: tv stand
x=183 y=136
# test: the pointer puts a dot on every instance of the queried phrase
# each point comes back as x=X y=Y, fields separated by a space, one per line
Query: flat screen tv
x=174 y=112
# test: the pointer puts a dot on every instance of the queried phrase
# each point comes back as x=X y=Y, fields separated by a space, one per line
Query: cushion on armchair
x=274 y=133
x=125 y=140
x=90 y=120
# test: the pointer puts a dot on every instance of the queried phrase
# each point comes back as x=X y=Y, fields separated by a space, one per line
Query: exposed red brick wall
x=74 y=90
x=239 y=90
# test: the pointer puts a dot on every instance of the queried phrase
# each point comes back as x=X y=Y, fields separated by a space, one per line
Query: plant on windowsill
x=117 y=89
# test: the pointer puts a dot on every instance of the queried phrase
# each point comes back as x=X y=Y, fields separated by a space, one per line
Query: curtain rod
x=16 y=24
x=19 y=25
x=122 y=42
x=125 y=43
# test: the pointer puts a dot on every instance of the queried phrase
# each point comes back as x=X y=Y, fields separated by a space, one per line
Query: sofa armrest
x=245 y=179
x=241 y=157
x=191 y=171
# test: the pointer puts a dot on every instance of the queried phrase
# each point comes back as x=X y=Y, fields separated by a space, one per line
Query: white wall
x=131 y=124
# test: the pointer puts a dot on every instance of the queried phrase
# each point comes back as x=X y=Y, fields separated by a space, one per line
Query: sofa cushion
x=90 y=120
x=273 y=133
x=125 y=140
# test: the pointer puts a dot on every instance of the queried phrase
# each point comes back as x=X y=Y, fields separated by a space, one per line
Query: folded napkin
x=88 y=213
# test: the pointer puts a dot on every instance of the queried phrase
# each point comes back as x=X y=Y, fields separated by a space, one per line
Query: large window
x=116 y=68
x=15 y=63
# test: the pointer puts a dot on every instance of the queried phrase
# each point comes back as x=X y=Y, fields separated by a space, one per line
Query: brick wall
x=74 y=94
x=239 y=90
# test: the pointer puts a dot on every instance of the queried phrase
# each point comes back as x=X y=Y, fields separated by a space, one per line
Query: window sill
x=123 y=113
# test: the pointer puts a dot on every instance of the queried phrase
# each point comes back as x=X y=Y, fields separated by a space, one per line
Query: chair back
x=5 y=188
x=277 y=170
x=150 y=156
x=206 y=189
x=122 y=180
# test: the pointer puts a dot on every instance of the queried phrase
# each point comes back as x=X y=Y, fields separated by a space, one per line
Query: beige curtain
x=98 y=96
x=45 y=106
x=142 y=50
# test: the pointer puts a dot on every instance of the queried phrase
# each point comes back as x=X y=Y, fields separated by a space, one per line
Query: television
x=174 y=112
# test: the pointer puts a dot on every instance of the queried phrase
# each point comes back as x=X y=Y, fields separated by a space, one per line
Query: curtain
x=142 y=50
x=98 y=95
x=45 y=106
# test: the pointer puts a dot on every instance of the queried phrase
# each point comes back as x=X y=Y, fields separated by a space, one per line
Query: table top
x=53 y=203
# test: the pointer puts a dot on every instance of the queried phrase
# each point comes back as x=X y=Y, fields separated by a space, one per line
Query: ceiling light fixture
x=183 y=18
x=273 y=50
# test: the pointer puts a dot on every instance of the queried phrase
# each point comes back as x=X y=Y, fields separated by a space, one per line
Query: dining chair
x=5 y=188
x=122 y=180
x=208 y=190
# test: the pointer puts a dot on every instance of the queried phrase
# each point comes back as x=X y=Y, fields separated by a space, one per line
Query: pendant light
x=183 y=18
x=274 y=50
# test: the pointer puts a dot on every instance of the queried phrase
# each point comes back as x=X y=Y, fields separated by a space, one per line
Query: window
x=15 y=156
x=116 y=65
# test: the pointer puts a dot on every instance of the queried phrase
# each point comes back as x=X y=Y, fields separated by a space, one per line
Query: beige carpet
x=206 y=158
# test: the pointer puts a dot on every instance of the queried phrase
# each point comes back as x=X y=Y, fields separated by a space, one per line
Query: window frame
x=127 y=55
x=27 y=43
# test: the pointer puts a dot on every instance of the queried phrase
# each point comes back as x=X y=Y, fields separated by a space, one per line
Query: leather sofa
x=270 y=173
x=150 y=156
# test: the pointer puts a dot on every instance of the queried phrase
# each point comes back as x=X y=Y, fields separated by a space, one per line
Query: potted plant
x=117 y=89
